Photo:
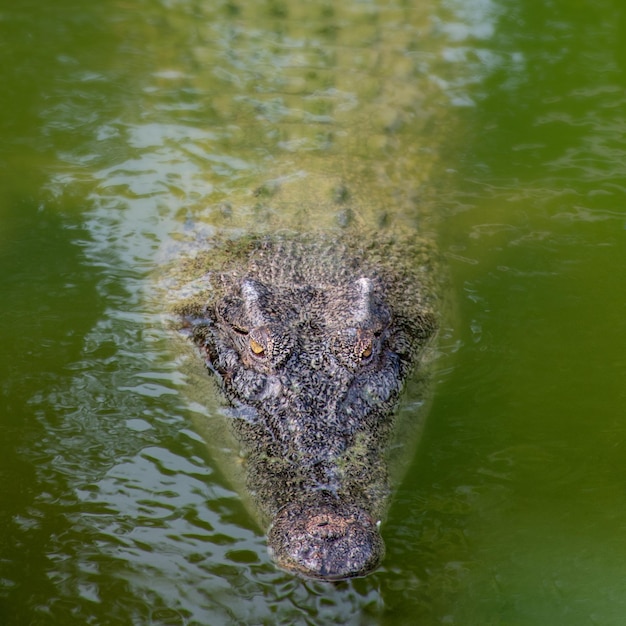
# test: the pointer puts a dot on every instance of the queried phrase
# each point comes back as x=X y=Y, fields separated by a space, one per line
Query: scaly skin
x=313 y=338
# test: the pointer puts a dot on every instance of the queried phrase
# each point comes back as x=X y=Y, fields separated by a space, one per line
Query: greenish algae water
x=122 y=122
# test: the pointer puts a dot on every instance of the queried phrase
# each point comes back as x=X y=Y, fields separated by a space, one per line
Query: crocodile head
x=313 y=363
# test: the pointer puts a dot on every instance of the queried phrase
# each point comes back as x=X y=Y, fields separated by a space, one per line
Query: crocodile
x=312 y=291
x=312 y=338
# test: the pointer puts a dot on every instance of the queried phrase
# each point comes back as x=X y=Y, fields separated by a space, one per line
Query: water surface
x=495 y=126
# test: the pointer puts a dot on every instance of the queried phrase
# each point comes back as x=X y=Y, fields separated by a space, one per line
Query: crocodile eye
x=367 y=352
x=256 y=347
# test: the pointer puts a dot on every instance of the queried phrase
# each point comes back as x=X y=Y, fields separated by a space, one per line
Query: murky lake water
x=498 y=126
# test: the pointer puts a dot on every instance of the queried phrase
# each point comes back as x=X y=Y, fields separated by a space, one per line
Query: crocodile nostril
x=327 y=526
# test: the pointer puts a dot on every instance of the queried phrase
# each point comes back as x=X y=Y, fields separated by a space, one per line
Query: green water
x=499 y=125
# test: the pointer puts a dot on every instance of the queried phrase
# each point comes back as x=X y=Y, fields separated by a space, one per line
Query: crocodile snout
x=325 y=540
